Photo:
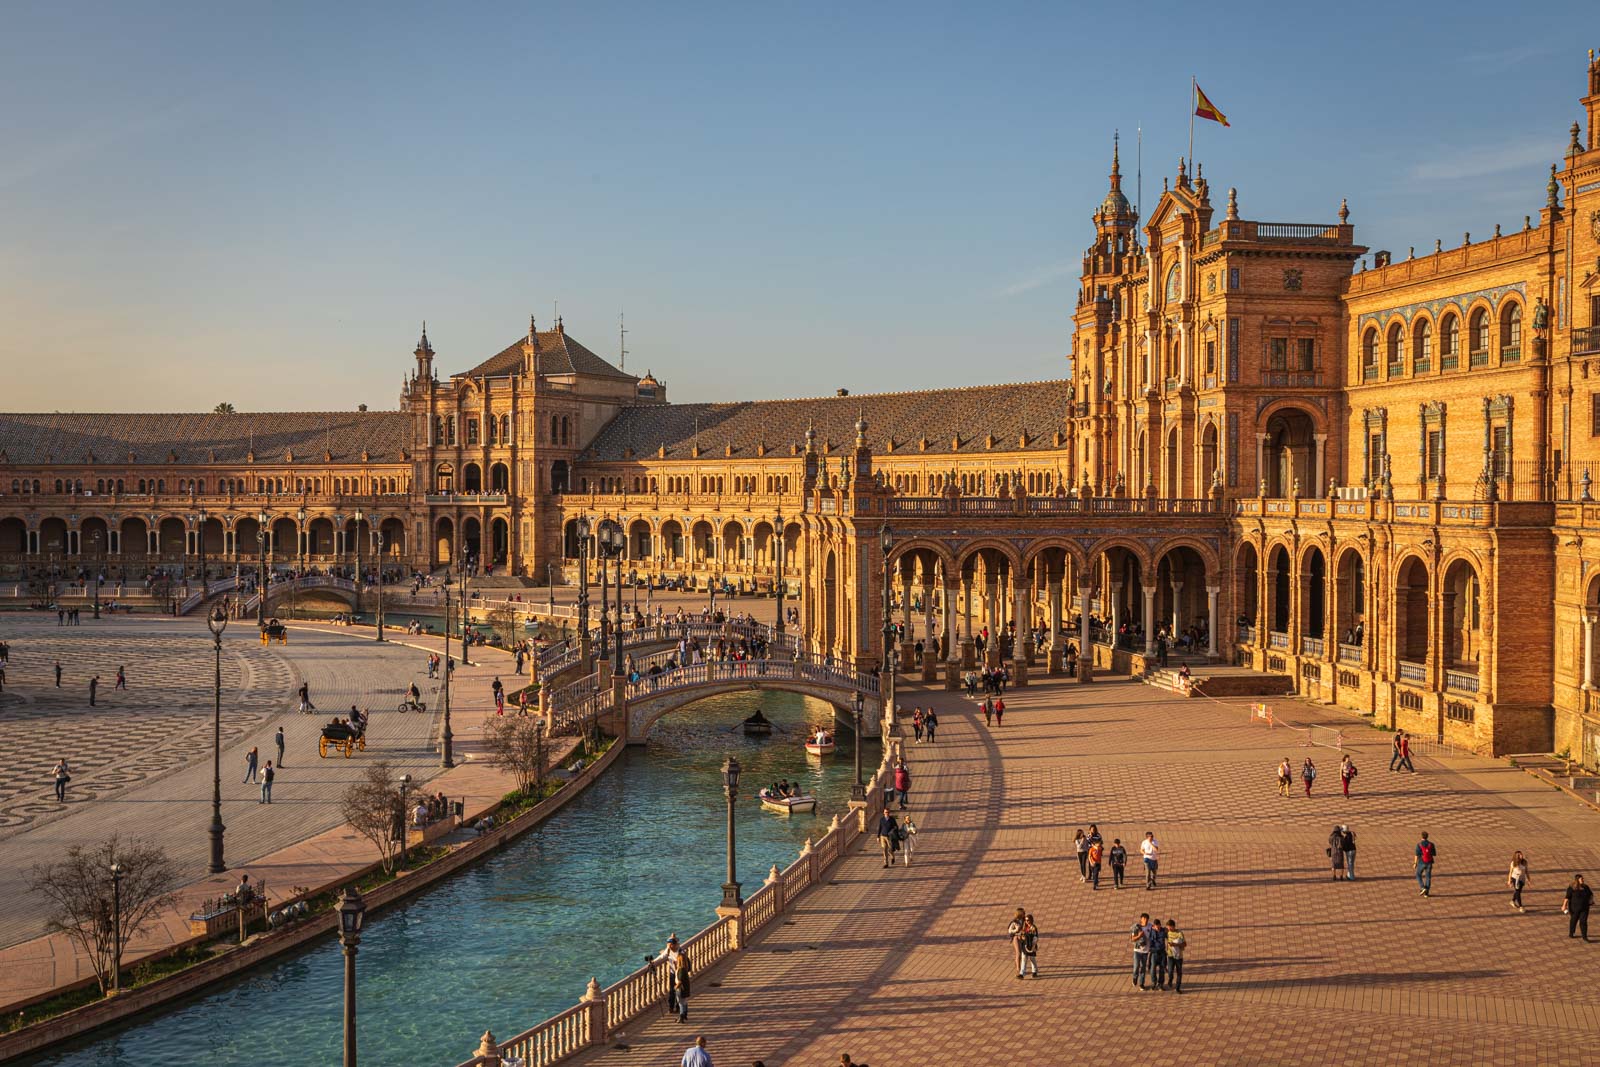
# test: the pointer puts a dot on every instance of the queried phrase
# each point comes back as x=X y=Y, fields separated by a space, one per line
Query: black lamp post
x=98 y=572
x=612 y=542
x=116 y=928
x=447 y=754
x=201 y=537
x=377 y=552
x=405 y=784
x=730 y=785
x=602 y=552
x=886 y=540
x=261 y=541
x=359 y=517
x=352 y=911
x=859 y=790
x=217 y=621
x=777 y=526
x=583 y=577
x=466 y=658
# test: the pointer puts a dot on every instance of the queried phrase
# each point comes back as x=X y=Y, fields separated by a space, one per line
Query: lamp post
x=583 y=578
x=405 y=784
x=859 y=790
x=116 y=928
x=352 y=911
x=447 y=754
x=99 y=572
x=777 y=526
x=377 y=553
x=730 y=785
x=602 y=552
x=359 y=517
x=886 y=541
x=262 y=518
x=612 y=541
x=550 y=582
x=217 y=621
x=466 y=658
x=201 y=537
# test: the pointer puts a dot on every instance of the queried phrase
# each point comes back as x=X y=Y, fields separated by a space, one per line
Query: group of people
x=1308 y=774
x=897 y=837
x=785 y=788
x=1092 y=853
x=993 y=681
x=925 y=722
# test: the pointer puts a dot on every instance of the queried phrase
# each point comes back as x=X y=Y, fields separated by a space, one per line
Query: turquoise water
x=515 y=939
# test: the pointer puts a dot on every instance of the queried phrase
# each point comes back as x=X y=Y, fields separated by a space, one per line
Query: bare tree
x=372 y=807
x=98 y=919
x=503 y=620
x=517 y=745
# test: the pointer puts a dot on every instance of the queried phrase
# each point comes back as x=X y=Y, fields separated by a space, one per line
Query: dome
x=1115 y=204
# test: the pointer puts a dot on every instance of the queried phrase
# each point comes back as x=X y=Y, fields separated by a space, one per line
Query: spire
x=1116 y=205
x=1233 y=204
x=1344 y=211
x=423 y=347
x=1552 y=192
x=1116 y=162
x=533 y=330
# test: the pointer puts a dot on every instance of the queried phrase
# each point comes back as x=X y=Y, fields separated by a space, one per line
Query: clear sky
x=202 y=202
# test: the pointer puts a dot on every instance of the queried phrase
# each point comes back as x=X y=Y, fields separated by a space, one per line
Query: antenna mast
x=622 y=345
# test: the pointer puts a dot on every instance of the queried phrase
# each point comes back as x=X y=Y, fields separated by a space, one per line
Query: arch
x=915 y=545
x=472 y=540
x=830 y=600
x=702 y=543
x=672 y=545
x=761 y=543
x=443 y=478
x=733 y=542
x=13 y=536
x=1278 y=589
x=499 y=478
x=1173 y=488
x=1246 y=585
x=444 y=541
x=1369 y=350
x=560 y=477
x=972 y=550
x=171 y=539
x=1478 y=333
x=499 y=540
x=1313 y=593
x=1449 y=338
x=94 y=538
x=1394 y=348
x=571 y=545
x=1421 y=345
x=1411 y=609
x=1350 y=578
x=319 y=536
x=640 y=542
x=472 y=478
x=1209 y=560
x=1288 y=452
x=53 y=537
x=1511 y=329
x=285 y=539
x=1210 y=456
x=212 y=537
x=245 y=541
x=1461 y=611
x=393 y=530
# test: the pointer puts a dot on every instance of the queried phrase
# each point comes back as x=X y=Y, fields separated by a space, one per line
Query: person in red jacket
x=902 y=783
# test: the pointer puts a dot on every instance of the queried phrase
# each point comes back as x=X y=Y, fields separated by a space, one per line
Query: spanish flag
x=1204 y=108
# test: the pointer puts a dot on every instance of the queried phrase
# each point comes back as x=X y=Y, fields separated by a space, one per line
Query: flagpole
x=1138 y=196
x=1193 y=87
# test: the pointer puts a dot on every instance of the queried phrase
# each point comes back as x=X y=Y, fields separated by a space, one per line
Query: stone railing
x=804 y=668
x=1247 y=634
x=1461 y=681
x=1277 y=639
x=602 y=1011
x=1412 y=672
x=564 y=654
x=1349 y=653
x=1312 y=646
x=1051 y=505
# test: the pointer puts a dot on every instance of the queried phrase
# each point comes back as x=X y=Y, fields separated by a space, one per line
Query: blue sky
x=199 y=204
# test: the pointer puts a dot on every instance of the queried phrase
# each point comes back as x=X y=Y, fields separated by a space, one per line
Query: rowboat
x=757 y=725
x=787 y=805
x=819 y=743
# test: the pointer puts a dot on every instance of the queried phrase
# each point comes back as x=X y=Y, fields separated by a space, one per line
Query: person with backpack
x=1426 y=852
x=1347 y=842
x=1119 y=862
x=1336 y=852
x=930 y=723
x=1347 y=773
x=1308 y=774
x=1096 y=854
x=682 y=987
x=988 y=712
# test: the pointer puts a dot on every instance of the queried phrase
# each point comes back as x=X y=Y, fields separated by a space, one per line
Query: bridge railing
x=601 y=1012
x=801 y=668
x=557 y=657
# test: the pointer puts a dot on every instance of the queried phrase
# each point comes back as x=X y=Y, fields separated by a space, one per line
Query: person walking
x=1394 y=756
x=1405 y=753
x=1096 y=854
x=1579 y=899
x=908 y=840
x=1080 y=845
x=1426 y=852
x=58 y=674
x=278 y=741
x=1141 y=950
x=1347 y=842
x=1156 y=935
x=916 y=724
x=94 y=685
x=999 y=712
x=930 y=723
x=1152 y=855
x=1517 y=879
x=696 y=1056
x=1335 y=852
x=1119 y=862
x=250 y=764
x=1347 y=773
x=122 y=678
x=672 y=955
x=1285 y=776
x=306 y=707
x=499 y=691
x=682 y=988
x=888 y=836
x=1308 y=774
x=63 y=775
x=266 y=784
x=902 y=783
x=988 y=712
x=1030 y=946
x=1015 y=934
x=1175 y=945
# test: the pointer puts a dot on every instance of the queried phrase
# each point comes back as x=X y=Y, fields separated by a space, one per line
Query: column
x=1319 y=444
x=1116 y=611
x=947 y=632
x=1056 y=663
x=1588 y=650
x=1177 y=594
x=1261 y=458
x=1183 y=354
x=927 y=611
x=1211 y=618
x=1085 y=648
x=1149 y=619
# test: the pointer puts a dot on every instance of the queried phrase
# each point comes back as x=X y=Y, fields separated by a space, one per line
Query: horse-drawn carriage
x=343 y=738
x=275 y=631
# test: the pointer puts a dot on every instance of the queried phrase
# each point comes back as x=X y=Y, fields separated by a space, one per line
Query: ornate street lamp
x=377 y=552
x=730 y=785
x=583 y=577
x=405 y=784
x=116 y=928
x=859 y=790
x=262 y=518
x=217 y=622
x=359 y=517
x=611 y=541
x=777 y=526
x=466 y=658
x=447 y=752
x=886 y=541
x=202 y=539
x=352 y=913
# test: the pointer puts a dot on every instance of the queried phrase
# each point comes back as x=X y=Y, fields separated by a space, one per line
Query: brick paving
x=911 y=966
x=300 y=840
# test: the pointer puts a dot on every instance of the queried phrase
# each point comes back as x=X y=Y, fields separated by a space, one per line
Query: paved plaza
x=141 y=759
x=912 y=965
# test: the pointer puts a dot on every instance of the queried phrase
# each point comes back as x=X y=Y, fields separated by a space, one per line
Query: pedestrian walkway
x=912 y=965
x=301 y=839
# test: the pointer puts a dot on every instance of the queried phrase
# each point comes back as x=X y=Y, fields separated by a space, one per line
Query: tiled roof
x=37 y=437
x=559 y=353
x=1006 y=411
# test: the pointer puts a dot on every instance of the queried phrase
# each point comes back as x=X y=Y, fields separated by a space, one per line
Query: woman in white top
x=1517 y=879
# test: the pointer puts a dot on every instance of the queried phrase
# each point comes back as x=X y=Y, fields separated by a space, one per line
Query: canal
x=514 y=940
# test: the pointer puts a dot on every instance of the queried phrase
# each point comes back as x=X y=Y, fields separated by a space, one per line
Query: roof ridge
x=872 y=396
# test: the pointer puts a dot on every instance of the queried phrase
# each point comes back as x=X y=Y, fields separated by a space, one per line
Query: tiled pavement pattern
x=910 y=967
x=281 y=844
x=142 y=759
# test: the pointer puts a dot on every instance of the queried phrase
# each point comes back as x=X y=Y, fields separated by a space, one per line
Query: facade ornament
x=1585 y=482
x=1552 y=193
x=1344 y=211
x=1233 y=205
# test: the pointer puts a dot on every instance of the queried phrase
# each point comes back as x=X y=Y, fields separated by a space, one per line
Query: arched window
x=1450 y=342
x=1511 y=331
x=1369 y=354
x=1396 y=351
x=1422 y=347
x=555 y=430
x=1478 y=338
x=566 y=431
x=119 y=485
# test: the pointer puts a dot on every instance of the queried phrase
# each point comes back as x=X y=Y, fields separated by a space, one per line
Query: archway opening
x=1411 y=612
x=1289 y=453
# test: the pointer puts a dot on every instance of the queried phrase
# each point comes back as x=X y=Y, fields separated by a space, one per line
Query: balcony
x=1247 y=635
x=1479 y=358
x=1293 y=379
x=1511 y=354
x=1413 y=672
x=1369 y=374
x=1586 y=340
x=1277 y=639
x=1461 y=681
x=1449 y=362
x=1422 y=366
x=1397 y=370
x=1350 y=654
x=1312 y=646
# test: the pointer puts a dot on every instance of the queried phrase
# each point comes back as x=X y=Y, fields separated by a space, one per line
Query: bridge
x=648 y=697
x=556 y=659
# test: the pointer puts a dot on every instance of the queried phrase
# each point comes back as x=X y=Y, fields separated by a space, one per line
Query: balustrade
x=1412 y=672
x=1277 y=639
x=1461 y=681
x=1350 y=654
x=1312 y=646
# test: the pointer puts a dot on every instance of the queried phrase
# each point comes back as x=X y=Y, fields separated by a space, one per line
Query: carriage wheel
x=349 y=748
x=361 y=742
x=322 y=747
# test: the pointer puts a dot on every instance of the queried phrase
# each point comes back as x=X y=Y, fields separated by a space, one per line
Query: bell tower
x=1591 y=103
x=424 y=354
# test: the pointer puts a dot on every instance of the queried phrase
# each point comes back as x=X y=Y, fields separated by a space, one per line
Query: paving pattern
x=911 y=966
x=141 y=759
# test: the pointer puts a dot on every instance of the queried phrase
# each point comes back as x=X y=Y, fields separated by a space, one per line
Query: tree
x=503 y=621
x=517 y=745
x=372 y=807
x=98 y=920
x=224 y=408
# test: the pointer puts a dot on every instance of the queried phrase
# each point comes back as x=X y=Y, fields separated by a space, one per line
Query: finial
x=1183 y=172
x=1233 y=204
x=1438 y=245
x=1585 y=481
x=1552 y=191
x=1344 y=211
x=1411 y=252
x=533 y=329
x=1116 y=163
x=1575 y=147
x=1466 y=238
x=1497 y=229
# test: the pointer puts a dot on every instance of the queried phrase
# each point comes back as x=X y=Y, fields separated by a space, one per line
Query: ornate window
x=1396 y=350
x=1369 y=354
x=1511 y=332
x=1478 y=338
x=1450 y=342
x=1422 y=347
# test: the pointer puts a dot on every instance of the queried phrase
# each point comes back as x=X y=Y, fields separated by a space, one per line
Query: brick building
x=1367 y=471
